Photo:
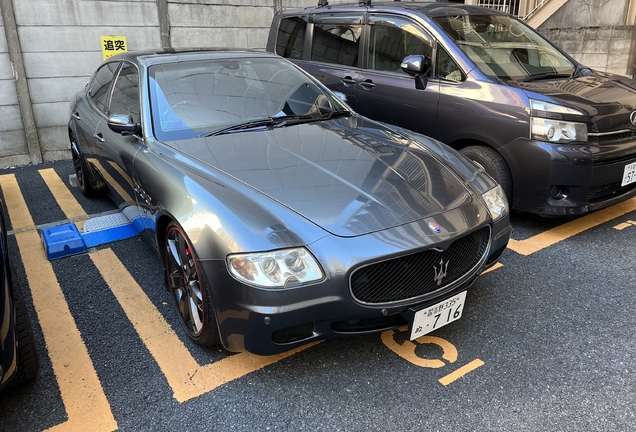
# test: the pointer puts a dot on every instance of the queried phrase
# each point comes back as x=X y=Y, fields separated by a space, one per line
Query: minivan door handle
x=99 y=137
x=347 y=81
x=76 y=116
x=367 y=84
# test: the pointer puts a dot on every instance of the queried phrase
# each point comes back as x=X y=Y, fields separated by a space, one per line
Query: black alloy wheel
x=189 y=291
x=79 y=165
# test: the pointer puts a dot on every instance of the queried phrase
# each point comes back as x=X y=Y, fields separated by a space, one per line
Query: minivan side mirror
x=417 y=66
x=122 y=124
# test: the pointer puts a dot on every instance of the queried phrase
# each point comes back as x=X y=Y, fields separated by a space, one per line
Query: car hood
x=350 y=176
x=608 y=99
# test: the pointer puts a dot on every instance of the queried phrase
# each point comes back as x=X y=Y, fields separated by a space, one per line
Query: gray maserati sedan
x=281 y=216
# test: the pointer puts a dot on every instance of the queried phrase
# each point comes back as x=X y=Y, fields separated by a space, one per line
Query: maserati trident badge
x=442 y=272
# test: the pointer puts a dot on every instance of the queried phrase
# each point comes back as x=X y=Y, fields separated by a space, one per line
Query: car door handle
x=367 y=84
x=347 y=81
x=99 y=137
x=76 y=116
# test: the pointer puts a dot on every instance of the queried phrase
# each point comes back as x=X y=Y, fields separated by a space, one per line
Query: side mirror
x=122 y=124
x=417 y=66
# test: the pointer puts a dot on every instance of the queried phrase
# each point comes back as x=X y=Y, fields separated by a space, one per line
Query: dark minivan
x=559 y=137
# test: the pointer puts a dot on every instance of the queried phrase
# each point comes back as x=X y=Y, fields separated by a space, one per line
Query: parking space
x=545 y=341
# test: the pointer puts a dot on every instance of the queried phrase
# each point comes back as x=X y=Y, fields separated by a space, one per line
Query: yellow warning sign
x=112 y=45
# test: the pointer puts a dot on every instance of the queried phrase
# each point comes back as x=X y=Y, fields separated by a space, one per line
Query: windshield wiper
x=336 y=113
x=543 y=76
x=252 y=124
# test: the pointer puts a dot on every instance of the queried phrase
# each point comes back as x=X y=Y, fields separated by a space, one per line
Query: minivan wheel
x=189 y=291
x=492 y=162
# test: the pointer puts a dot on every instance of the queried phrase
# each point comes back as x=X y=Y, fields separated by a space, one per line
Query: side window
x=336 y=43
x=101 y=83
x=291 y=38
x=125 y=98
x=389 y=44
x=446 y=68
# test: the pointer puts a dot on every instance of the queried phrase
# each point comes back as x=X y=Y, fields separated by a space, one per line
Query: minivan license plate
x=629 y=175
x=438 y=315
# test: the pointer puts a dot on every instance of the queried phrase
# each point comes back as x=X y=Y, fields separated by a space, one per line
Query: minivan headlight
x=275 y=269
x=496 y=202
x=557 y=131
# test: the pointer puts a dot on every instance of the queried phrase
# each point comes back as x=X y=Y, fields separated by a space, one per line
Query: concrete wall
x=594 y=32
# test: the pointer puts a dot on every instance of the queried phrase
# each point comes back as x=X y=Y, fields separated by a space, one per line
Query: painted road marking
x=82 y=393
x=495 y=267
x=624 y=225
x=568 y=229
x=65 y=199
x=454 y=376
x=111 y=181
x=406 y=350
x=186 y=377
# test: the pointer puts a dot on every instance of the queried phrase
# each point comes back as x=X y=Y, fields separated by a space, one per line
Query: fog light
x=559 y=192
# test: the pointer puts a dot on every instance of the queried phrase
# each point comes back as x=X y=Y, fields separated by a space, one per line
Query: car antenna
x=323 y=2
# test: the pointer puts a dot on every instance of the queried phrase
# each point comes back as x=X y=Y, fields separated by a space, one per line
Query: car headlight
x=276 y=269
x=555 y=130
x=558 y=131
x=496 y=202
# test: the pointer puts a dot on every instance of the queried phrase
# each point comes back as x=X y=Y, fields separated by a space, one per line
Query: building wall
x=594 y=32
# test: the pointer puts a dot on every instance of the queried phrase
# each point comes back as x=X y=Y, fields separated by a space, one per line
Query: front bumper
x=568 y=179
x=267 y=322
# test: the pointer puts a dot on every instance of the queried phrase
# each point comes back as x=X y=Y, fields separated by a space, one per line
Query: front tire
x=492 y=162
x=188 y=289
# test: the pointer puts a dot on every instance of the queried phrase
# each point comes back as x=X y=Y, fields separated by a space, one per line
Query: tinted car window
x=291 y=38
x=446 y=68
x=336 y=43
x=101 y=83
x=389 y=44
x=125 y=98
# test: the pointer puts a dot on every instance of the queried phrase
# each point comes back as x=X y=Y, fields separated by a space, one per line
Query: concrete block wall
x=60 y=45
x=593 y=32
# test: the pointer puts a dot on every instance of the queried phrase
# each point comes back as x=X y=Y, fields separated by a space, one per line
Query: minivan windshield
x=502 y=47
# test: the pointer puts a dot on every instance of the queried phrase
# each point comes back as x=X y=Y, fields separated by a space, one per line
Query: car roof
x=430 y=9
x=167 y=55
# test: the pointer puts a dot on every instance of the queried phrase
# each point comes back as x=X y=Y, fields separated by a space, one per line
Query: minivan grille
x=414 y=275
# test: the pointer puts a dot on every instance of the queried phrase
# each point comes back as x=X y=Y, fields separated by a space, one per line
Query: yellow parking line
x=184 y=375
x=81 y=391
x=65 y=199
x=111 y=181
x=562 y=232
x=495 y=267
x=454 y=376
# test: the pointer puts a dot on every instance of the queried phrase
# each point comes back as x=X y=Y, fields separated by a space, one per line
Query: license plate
x=438 y=315
x=629 y=175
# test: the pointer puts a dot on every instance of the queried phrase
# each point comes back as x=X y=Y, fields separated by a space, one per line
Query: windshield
x=198 y=97
x=502 y=47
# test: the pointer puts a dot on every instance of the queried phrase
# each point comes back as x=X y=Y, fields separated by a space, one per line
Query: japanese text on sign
x=112 y=45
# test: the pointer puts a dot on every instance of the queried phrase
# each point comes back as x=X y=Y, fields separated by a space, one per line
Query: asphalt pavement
x=546 y=342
